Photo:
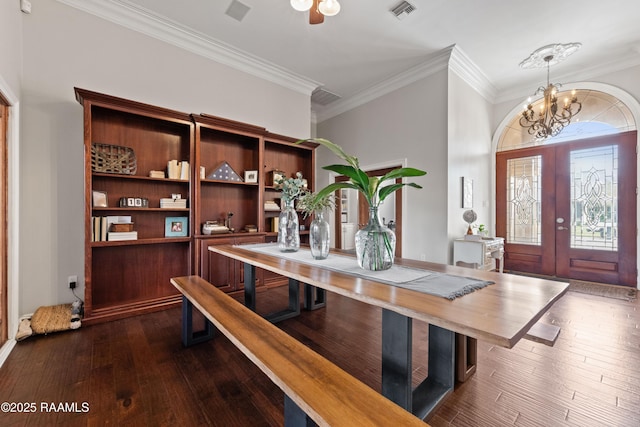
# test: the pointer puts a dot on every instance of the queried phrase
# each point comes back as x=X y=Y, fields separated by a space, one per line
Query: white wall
x=407 y=126
x=63 y=48
x=469 y=155
x=11 y=44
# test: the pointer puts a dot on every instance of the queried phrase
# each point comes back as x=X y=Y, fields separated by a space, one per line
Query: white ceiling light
x=329 y=7
x=301 y=5
x=318 y=9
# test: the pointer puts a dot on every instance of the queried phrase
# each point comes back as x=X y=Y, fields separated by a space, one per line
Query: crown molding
x=134 y=17
x=437 y=62
x=468 y=71
x=451 y=57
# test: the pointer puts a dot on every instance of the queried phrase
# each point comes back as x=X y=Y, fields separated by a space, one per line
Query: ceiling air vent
x=237 y=10
x=403 y=9
x=323 y=97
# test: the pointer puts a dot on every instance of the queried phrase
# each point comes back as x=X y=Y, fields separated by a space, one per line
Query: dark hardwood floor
x=135 y=371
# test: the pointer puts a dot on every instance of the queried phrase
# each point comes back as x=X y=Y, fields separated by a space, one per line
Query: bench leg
x=294 y=416
x=250 y=286
x=314 y=297
x=189 y=337
x=294 y=304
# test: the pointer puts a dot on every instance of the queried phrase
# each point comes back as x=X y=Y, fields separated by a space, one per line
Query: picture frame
x=100 y=199
x=176 y=226
x=467 y=193
x=275 y=176
x=251 y=176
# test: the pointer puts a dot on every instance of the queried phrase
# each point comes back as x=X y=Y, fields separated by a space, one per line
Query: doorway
x=4 y=162
x=568 y=210
x=351 y=212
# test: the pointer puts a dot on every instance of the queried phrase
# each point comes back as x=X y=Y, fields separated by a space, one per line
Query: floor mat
x=56 y=318
x=608 y=291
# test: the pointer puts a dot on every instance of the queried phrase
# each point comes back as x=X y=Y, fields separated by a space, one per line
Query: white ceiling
x=365 y=44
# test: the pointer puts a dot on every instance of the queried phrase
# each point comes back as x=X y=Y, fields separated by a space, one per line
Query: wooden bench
x=315 y=389
x=543 y=333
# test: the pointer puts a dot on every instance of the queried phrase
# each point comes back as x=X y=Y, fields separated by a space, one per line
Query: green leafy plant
x=371 y=187
x=292 y=188
x=309 y=203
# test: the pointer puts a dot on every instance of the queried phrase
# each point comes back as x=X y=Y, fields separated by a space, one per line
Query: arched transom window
x=601 y=114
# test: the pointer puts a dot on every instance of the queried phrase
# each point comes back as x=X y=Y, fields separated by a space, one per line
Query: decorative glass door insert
x=523 y=196
x=594 y=198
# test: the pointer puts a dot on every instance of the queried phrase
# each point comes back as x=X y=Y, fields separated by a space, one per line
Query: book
x=114 y=236
x=103 y=228
x=184 y=170
x=95 y=228
x=173 y=171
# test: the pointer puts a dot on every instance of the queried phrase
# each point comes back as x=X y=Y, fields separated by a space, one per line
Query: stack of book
x=178 y=170
x=173 y=203
x=117 y=236
x=156 y=174
x=271 y=206
x=112 y=228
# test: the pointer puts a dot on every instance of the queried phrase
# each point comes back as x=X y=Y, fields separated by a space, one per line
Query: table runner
x=429 y=282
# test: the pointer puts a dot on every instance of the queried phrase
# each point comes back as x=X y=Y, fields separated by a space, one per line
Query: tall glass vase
x=319 y=236
x=375 y=244
x=288 y=228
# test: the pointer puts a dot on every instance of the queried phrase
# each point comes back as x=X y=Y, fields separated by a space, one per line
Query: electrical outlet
x=73 y=282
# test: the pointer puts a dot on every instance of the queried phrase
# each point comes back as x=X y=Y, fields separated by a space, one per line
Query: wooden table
x=500 y=314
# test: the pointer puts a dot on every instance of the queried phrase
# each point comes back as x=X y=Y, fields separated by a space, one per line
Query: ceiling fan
x=318 y=9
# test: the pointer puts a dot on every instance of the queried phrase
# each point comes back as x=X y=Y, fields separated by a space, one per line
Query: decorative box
x=120 y=227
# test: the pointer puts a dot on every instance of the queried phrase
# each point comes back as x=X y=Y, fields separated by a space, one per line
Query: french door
x=569 y=210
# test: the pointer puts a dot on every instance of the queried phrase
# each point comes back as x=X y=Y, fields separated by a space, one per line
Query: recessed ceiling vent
x=237 y=10
x=403 y=9
x=323 y=97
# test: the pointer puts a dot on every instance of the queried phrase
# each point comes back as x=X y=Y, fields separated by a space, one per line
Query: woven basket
x=107 y=158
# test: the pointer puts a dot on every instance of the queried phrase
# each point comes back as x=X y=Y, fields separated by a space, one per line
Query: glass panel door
x=523 y=195
x=594 y=198
x=569 y=210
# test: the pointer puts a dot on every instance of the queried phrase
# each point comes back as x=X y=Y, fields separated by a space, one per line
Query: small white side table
x=481 y=251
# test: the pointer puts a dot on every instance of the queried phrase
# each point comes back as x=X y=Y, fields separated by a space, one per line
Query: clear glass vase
x=319 y=239
x=375 y=244
x=288 y=228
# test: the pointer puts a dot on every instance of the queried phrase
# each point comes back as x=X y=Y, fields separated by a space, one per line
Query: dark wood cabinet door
x=217 y=269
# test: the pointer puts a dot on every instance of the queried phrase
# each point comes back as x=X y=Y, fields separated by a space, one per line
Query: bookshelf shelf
x=130 y=277
x=123 y=274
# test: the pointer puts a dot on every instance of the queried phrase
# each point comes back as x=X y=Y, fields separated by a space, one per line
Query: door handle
x=562 y=228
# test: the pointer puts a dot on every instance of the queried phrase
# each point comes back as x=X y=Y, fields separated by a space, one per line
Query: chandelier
x=318 y=9
x=552 y=117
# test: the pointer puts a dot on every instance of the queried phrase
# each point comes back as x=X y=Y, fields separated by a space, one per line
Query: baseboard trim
x=6 y=350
